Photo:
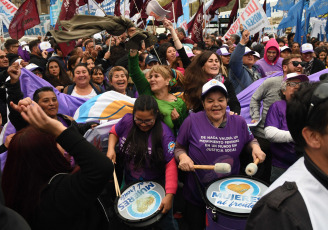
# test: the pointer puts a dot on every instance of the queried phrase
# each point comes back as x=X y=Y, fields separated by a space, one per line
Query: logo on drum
x=236 y=193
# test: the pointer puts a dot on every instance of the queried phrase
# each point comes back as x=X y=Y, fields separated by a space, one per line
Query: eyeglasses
x=296 y=63
x=3 y=56
x=319 y=95
x=146 y=122
x=294 y=84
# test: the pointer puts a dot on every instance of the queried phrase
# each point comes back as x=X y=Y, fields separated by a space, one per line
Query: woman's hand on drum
x=174 y=114
x=186 y=164
x=258 y=153
x=166 y=204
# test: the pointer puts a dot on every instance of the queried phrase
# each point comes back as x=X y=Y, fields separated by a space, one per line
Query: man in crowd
x=298 y=199
x=11 y=46
x=313 y=64
x=4 y=64
x=271 y=62
x=285 y=52
x=182 y=36
x=268 y=93
x=210 y=44
x=151 y=60
x=37 y=57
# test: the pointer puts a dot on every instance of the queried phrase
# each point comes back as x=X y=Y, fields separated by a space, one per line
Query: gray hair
x=179 y=29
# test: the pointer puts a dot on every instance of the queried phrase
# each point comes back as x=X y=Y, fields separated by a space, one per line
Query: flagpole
x=139 y=13
x=204 y=17
x=174 y=16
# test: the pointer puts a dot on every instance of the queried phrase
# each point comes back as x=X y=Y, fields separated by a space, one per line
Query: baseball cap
x=248 y=50
x=284 y=48
x=256 y=54
x=150 y=58
x=214 y=84
x=307 y=48
x=46 y=46
x=31 y=67
x=223 y=51
x=97 y=36
x=265 y=39
x=161 y=36
x=302 y=77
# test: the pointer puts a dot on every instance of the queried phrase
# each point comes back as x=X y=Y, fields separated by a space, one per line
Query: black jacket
x=39 y=61
x=317 y=66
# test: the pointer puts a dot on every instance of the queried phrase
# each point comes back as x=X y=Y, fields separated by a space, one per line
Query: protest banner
x=253 y=19
x=42 y=28
x=55 y=6
x=7 y=11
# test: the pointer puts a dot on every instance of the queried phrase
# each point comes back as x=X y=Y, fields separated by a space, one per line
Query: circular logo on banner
x=236 y=194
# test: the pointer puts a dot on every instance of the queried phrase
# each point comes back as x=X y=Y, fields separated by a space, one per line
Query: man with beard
x=37 y=57
x=4 y=63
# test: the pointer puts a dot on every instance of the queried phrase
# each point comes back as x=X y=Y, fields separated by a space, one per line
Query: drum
x=231 y=199
x=139 y=203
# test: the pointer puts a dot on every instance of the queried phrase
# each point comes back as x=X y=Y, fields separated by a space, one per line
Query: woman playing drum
x=146 y=146
x=208 y=137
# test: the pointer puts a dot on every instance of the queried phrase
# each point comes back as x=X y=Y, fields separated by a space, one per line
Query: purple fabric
x=30 y=82
x=122 y=129
x=283 y=154
x=208 y=145
x=9 y=129
x=23 y=54
x=245 y=96
x=267 y=69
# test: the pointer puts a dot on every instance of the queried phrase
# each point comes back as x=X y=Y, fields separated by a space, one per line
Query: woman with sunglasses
x=146 y=150
x=276 y=130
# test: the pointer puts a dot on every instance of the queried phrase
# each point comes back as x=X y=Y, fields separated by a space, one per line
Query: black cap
x=162 y=36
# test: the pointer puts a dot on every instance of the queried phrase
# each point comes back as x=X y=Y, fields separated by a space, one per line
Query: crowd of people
x=186 y=99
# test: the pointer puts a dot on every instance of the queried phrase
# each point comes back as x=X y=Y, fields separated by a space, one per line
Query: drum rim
x=128 y=221
x=217 y=209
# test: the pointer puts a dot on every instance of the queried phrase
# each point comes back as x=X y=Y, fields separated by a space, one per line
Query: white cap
x=248 y=50
x=97 y=36
x=256 y=54
x=307 y=48
x=282 y=49
x=214 y=83
x=46 y=46
x=265 y=39
x=31 y=67
x=302 y=77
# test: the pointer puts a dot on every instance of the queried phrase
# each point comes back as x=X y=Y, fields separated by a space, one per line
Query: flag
x=25 y=18
x=176 y=7
x=299 y=35
x=319 y=7
x=268 y=10
x=233 y=14
x=117 y=10
x=195 y=26
x=135 y=7
x=216 y=5
x=68 y=10
x=291 y=19
x=284 y=5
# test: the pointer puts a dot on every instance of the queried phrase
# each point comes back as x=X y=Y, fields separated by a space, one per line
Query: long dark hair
x=194 y=79
x=63 y=76
x=136 y=144
x=33 y=158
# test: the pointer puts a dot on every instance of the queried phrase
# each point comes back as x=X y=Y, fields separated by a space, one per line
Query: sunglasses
x=319 y=95
x=3 y=56
x=146 y=122
x=296 y=63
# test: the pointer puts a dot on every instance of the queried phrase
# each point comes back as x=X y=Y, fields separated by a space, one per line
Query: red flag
x=135 y=7
x=117 y=10
x=25 y=18
x=216 y=5
x=195 y=26
x=233 y=13
x=178 y=11
x=68 y=10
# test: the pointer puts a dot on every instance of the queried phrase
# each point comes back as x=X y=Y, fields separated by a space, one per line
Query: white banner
x=253 y=19
x=7 y=11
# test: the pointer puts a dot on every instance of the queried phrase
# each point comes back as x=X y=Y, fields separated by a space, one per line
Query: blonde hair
x=164 y=70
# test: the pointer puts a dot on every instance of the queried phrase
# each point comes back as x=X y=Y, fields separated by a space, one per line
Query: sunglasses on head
x=296 y=63
x=319 y=95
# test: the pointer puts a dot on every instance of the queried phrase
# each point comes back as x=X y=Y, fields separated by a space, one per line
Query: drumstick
x=117 y=187
x=218 y=167
x=251 y=168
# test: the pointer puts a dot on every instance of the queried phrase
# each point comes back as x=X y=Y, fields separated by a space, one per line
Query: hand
x=258 y=153
x=14 y=72
x=166 y=204
x=8 y=139
x=36 y=117
x=21 y=104
x=245 y=37
x=86 y=54
x=186 y=164
x=174 y=114
x=59 y=88
x=93 y=126
x=111 y=154
x=168 y=24
x=133 y=52
x=44 y=54
x=232 y=113
x=107 y=55
x=94 y=53
x=254 y=121
x=98 y=47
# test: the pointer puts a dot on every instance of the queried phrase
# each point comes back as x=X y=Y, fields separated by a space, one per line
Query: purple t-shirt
x=122 y=129
x=208 y=145
x=267 y=69
x=283 y=154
